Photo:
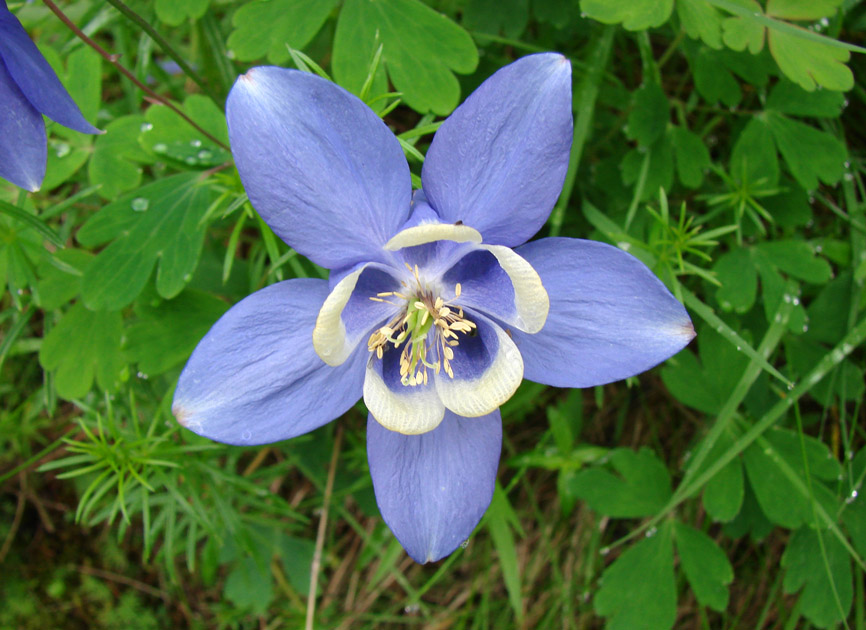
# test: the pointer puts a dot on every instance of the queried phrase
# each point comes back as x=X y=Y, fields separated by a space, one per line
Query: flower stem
x=113 y=60
x=323 y=525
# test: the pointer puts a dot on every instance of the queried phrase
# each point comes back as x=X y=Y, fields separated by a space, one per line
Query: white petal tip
x=430 y=232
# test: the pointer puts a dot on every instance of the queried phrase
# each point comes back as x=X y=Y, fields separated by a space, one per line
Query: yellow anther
x=421 y=315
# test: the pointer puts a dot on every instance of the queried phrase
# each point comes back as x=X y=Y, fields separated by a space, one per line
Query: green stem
x=587 y=93
x=167 y=48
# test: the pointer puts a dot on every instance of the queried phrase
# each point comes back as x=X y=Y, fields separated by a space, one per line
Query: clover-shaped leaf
x=117 y=157
x=705 y=565
x=741 y=33
x=421 y=49
x=165 y=335
x=635 y=15
x=823 y=572
x=639 y=589
x=269 y=28
x=642 y=489
x=84 y=345
x=160 y=221
x=701 y=21
x=493 y=16
x=174 y=13
x=811 y=64
x=805 y=57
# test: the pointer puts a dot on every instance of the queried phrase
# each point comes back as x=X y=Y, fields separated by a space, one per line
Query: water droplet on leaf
x=140 y=204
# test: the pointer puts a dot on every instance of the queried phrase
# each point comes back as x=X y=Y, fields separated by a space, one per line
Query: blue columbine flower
x=28 y=89
x=429 y=313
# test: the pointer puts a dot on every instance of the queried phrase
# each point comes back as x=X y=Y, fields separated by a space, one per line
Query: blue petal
x=498 y=162
x=432 y=489
x=255 y=377
x=36 y=78
x=320 y=167
x=22 y=136
x=610 y=317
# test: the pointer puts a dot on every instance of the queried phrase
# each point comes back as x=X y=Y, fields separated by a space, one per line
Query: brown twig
x=16 y=521
x=122 y=579
x=323 y=524
x=113 y=60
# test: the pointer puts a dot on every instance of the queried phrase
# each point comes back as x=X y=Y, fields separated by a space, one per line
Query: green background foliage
x=719 y=141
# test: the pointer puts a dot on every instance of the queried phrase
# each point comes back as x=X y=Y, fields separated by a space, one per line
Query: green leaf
x=790 y=98
x=60 y=277
x=297 y=558
x=811 y=64
x=649 y=115
x=753 y=158
x=702 y=21
x=725 y=492
x=705 y=386
x=828 y=312
x=641 y=489
x=848 y=382
x=854 y=515
x=660 y=171
x=167 y=135
x=421 y=49
x=551 y=11
x=84 y=344
x=741 y=33
x=692 y=156
x=750 y=519
x=65 y=157
x=770 y=461
x=638 y=590
x=738 y=277
x=165 y=335
x=270 y=28
x=825 y=586
x=714 y=81
x=160 y=221
x=797 y=259
x=117 y=157
x=705 y=565
x=31 y=220
x=635 y=15
x=174 y=13
x=810 y=153
x=250 y=586
x=84 y=81
x=506 y=550
x=802 y=9
x=495 y=16
x=802 y=55
x=680 y=374
x=789 y=209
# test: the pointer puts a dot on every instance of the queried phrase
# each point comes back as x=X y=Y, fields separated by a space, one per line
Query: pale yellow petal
x=477 y=397
x=430 y=232
x=412 y=411
x=329 y=335
x=530 y=296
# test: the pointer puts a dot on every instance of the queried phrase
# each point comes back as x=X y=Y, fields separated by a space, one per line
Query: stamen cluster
x=422 y=313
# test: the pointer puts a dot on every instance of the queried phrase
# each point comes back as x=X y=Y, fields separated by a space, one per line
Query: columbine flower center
x=422 y=311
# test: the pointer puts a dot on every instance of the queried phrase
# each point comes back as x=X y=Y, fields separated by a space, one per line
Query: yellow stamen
x=422 y=314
